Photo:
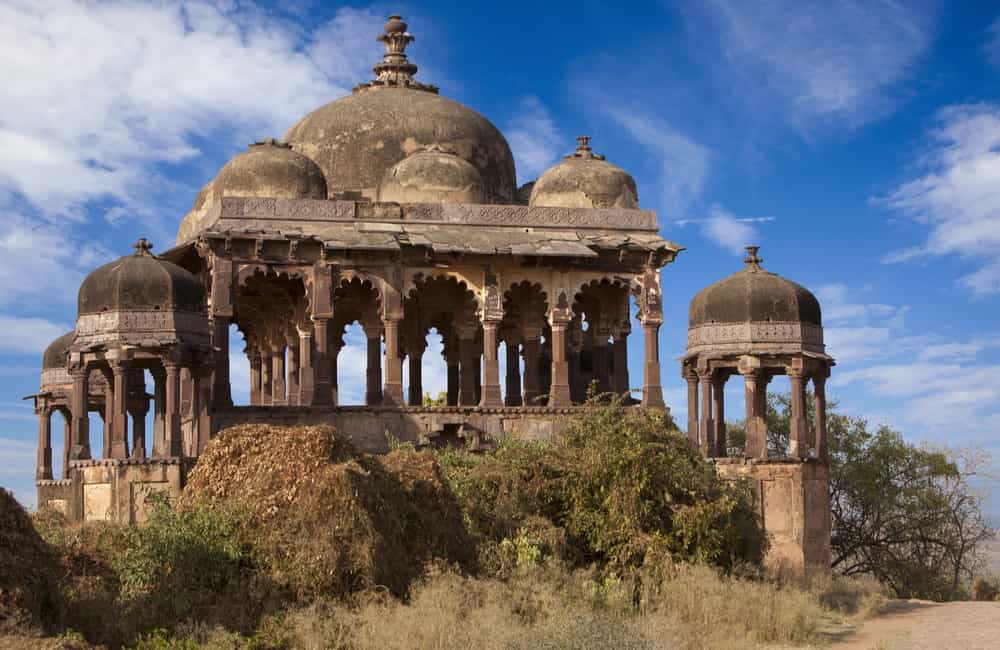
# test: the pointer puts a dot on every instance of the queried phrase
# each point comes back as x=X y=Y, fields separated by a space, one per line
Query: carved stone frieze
x=762 y=336
x=139 y=326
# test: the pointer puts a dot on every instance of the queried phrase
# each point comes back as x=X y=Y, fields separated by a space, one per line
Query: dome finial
x=142 y=247
x=583 y=149
x=752 y=260
x=395 y=69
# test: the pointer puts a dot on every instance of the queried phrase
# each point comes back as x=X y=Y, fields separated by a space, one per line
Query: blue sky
x=857 y=142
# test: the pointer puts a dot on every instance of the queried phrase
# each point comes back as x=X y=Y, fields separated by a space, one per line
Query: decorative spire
x=752 y=260
x=395 y=69
x=583 y=149
x=142 y=247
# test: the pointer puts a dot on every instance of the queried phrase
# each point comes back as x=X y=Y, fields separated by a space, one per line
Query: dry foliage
x=326 y=519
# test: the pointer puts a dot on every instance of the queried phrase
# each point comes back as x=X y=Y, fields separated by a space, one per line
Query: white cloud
x=97 y=94
x=28 y=335
x=992 y=47
x=818 y=61
x=856 y=331
x=534 y=139
x=727 y=231
x=957 y=194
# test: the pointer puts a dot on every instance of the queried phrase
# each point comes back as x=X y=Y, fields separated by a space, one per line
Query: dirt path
x=922 y=625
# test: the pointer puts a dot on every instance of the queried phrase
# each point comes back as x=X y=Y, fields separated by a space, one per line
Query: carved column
x=44 y=469
x=393 y=393
x=322 y=389
x=222 y=395
x=293 y=369
x=691 y=377
x=819 y=389
x=138 y=413
x=266 y=366
x=373 y=386
x=719 y=415
x=600 y=342
x=467 y=351
x=707 y=422
x=108 y=413
x=491 y=397
x=760 y=419
x=513 y=396
x=67 y=441
x=620 y=355
x=119 y=421
x=203 y=420
x=173 y=437
x=798 y=445
x=253 y=356
x=279 y=396
x=160 y=411
x=81 y=418
x=532 y=366
x=415 y=389
x=751 y=381
x=652 y=393
x=307 y=372
x=559 y=395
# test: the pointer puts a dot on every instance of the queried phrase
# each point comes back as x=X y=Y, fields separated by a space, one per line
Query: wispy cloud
x=534 y=139
x=97 y=95
x=815 y=61
x=957 y=193
x=729 y=231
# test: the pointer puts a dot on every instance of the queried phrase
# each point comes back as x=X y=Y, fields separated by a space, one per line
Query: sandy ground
x=923 y=625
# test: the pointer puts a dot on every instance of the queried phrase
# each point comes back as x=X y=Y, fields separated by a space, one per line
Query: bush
x=618 y=487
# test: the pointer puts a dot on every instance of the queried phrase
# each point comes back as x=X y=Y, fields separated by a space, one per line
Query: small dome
x=585 y=180
x=356 y=139
x=754 y=295
x=140 y=282
x=433 y=175
x=55 y=355
x=269 y=169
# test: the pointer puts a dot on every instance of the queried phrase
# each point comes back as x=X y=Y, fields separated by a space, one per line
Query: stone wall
x=793 y=498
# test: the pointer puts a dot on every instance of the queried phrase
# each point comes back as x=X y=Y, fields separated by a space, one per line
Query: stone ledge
x=62 y=482
x=114 y=462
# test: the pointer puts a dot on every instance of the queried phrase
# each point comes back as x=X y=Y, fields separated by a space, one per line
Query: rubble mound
x=30 y=597
x=327 y=519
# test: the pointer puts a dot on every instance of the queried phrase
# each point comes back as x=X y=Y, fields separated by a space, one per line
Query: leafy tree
x=903 y=513
x=440 y=400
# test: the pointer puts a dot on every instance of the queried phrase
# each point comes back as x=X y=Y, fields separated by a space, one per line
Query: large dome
x=754 y=295
x=140 y=283
x=356 y=139
x=585 y=180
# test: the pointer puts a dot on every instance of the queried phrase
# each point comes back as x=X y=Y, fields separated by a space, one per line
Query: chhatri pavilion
x=397 y=209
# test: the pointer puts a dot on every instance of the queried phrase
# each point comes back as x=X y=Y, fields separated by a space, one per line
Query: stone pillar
x=253 y=356
x=559 y=392
x=307 y=378
x=600 y=356
x=652 y=393
x=139 y=430
x=798 y=445
x=513 y=396
x=266 y=366
x=620 y=356
x=393 y=392
x=172 y=429
x=194 y=443
x=44 y=469
x=108 y=414
x=707 y=422
x=279 y=396
x=454 y=380
x=80 y=418
x=222 y=396
x=532 y=366
x=67 y=442
x=203 y=419
x=160 y=411
x=119 y=421
x=334 y=355
x=373 y=376
x=322 y=389
x=415 y=389
x=719 y=415
x=750 y=385
x=467 y=369
x=692 y=405
x=819 y=389
x=761 y=413
x=293 y=370
x=491 y=397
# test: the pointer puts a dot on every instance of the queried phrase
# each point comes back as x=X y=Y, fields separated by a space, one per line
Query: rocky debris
x=30 y=598
x=327 y=519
